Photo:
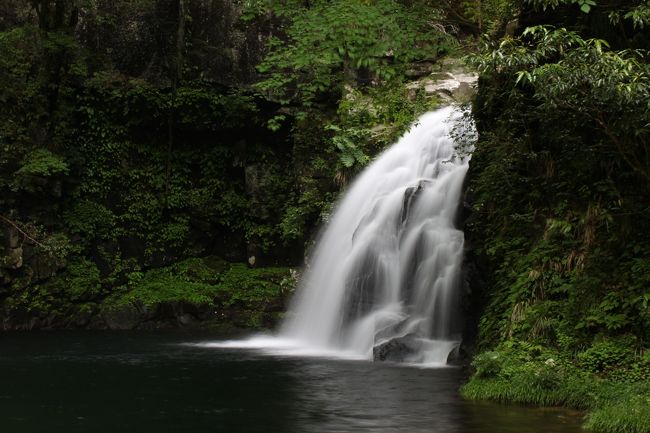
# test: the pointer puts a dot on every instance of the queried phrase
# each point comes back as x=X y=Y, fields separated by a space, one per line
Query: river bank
x=617 y=401
x=205 y=292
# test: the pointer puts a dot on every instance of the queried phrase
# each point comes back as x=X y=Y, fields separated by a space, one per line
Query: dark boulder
x=399 y=349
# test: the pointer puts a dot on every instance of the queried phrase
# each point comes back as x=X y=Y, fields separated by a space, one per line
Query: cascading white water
x=384 y=277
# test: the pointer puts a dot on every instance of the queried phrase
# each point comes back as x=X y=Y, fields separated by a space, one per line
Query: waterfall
x=384 y=277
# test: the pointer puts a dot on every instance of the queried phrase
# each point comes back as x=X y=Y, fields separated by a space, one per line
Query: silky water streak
x=384 y=279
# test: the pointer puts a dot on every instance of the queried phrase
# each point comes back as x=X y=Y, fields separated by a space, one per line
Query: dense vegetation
x=140 y=137
x=167 y=161
x=560 y=181
x=123 y=153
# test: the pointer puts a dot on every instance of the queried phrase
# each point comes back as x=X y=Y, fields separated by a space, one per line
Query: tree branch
x=23 y=232
x=634 y=164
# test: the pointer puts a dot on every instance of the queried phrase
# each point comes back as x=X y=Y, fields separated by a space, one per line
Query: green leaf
x=347 y=160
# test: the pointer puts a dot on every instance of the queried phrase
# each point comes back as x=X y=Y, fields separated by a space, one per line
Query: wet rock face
x=399 y=349
x=160 y=316
x=410 y=196
x=449 y=80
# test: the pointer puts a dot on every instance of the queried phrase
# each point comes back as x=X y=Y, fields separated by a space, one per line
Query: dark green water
x=151 y=382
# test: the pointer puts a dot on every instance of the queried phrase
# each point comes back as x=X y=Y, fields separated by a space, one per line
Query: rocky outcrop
x=400 y=349
x=450 y=81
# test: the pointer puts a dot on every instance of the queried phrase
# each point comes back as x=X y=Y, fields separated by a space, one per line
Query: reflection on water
x=143 y=382
x=383 y=398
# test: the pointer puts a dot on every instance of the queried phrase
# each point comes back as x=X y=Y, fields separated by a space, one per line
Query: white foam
x=390 y=257
x=278 y=346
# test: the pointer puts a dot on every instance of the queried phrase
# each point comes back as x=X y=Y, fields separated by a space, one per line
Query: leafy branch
x=21 y=231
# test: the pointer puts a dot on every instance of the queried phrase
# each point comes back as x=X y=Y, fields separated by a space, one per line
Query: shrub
x=488 y=364
x=607 y=355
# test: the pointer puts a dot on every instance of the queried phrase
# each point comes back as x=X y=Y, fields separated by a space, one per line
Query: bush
x=605 y=356
x=508 y=377
x=207 y=281
x=546 y=377
x=487 y=365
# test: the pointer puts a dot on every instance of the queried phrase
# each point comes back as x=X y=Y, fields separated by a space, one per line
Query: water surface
x=156 y=382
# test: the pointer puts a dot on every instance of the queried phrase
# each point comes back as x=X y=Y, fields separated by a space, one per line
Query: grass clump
x=631 y=415
x=524 y=373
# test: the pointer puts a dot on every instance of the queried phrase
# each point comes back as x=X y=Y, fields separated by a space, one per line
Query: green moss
x=206 y=281
x=249 y=286
x=193 y=280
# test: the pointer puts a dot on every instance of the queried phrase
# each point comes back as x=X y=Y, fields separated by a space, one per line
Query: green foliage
x=518 y=372
x=114 y=164
x=79 y=283
x=552 y=237
x=210 y=282
x=192 y=280
x=88 y=168
x=299 y=214
x=628 y=416
x=241 y=285
x=639 y=15
x=204 y=180
x=20 y=48
x=489 y=16
x=202 y=108
x=329 y=43
x=637 y=12
x=251 y=9
x=487 y=364
x=90 y=219
x=347 y=142
x=605 y=356
x=42 y=162
x=523 y=377
x=600 y=87
x=584 y=5
x=37 y=166
x=369 y=121
x=560 y=180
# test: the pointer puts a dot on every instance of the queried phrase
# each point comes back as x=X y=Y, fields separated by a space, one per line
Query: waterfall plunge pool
x=384 y=285
x=146 y=382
